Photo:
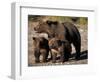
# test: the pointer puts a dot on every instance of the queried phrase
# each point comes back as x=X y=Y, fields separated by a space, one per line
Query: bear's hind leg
x=78 y=50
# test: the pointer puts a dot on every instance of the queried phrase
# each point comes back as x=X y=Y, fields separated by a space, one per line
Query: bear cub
x=61 y=47
x=41 y=47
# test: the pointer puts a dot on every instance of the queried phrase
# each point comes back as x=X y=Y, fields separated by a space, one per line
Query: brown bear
x=63 y=48
x=63 y=31
x=40 y=48
x=52 y=28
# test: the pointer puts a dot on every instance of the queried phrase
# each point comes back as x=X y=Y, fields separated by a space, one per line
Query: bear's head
x=47 y=27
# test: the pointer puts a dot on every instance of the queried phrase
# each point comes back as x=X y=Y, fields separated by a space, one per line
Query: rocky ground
x=84 y=48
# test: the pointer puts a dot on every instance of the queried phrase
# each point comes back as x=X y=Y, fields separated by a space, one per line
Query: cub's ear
x=59 y=42
x=34 y=38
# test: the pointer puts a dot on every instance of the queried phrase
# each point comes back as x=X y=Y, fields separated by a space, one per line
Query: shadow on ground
x=84 y=55
x=83 y=60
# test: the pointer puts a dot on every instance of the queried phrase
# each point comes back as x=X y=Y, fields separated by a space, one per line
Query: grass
x=75 y=20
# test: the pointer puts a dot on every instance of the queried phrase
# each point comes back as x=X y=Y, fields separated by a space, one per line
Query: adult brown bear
x=63 y=31
x=40 y=48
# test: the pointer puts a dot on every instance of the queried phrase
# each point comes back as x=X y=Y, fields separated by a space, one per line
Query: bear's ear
x=49 y=22
x=55 y=22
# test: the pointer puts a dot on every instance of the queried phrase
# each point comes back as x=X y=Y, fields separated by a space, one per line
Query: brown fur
x=62 y=31
x=40 y=48
x=63 y=48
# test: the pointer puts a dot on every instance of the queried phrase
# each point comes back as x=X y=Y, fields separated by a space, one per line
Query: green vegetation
x=75 y=20
x=82 y=20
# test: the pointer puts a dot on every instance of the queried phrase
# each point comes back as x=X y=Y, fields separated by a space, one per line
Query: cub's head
x=59 y=45
x=40 y=42
x=54 y=43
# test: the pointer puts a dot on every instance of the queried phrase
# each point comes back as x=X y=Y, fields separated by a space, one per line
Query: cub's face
x=59 y=45
x=40 y=42
x=54 y=43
